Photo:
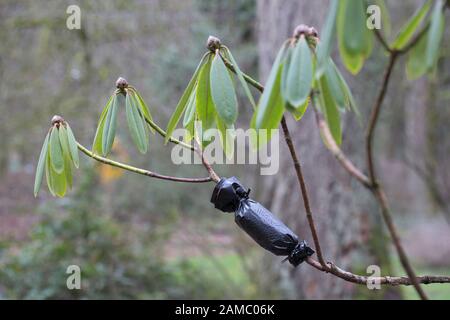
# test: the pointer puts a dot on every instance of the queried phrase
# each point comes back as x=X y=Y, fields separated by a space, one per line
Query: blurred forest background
x=135 y=237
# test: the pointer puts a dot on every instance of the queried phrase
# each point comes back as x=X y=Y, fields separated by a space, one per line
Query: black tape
x=259 y=223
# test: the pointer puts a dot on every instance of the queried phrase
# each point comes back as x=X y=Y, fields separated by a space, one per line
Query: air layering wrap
x=259 y=223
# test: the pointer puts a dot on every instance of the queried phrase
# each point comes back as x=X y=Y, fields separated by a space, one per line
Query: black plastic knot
x=300 y=253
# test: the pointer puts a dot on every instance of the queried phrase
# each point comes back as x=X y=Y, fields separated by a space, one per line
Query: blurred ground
x=214 y=248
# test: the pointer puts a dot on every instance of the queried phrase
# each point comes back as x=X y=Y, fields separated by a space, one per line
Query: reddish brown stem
x=376 y=188
x=304 y=191
x=386 y=280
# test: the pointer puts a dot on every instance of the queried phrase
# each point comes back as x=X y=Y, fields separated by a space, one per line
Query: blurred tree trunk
x=343 y=210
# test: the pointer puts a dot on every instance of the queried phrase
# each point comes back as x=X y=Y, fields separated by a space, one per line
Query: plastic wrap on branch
x=259 y=223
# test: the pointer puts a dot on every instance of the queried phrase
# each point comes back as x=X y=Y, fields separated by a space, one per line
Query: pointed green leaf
x=354 y=25
x=41 y=166
x=68 y=170
x=354 y=38
x=136 y=124
x=48 y=172
x=415 y=66
x=241 y=78
x=204 y=102
x=98 y=139
x=190 y=131
x=144 y=108
x=299 y=75
x=56 y=156
x=435 y=34
x=73 y=147
x=385 y=17
x=189 y=114
x=109 y=128
x=222 y=91
x=57 y=181
x=181 y=106
x=226 y=137
x=64 y=140
x=330 y=110
x=274 y=112
x=335 y=86
x=326 y=38
x=411 y=26
x=299 y=112
x=270 y=111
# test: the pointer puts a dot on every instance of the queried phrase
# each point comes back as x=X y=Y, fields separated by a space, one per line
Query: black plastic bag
x=259 y=223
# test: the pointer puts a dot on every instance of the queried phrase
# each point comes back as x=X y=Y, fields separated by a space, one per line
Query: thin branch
x=212 y=174
x=374 y=117
x=164 y=134
x=139 y=170
x=258 y=86
x=386 y=280
x=383 y=41
x=301 y=181
x=376 y=189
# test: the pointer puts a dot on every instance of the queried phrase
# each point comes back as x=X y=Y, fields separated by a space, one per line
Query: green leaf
x=354 y=38
x=63 y=140
x=226 y=137
x=48 y=172
x=68 y=170
x=269 y=112
x=204 y=102
x=349 y=100
x=136 y=124
x=274 y=111
x=335 y=86
x=411 y=26
x=56 y=156
x=97 y=144
x=385 y=17
x=189 y=114
x=415 y=66
x=181 y=106
x=72 y=146
x=330 y=110
x=240 y=76
x=144 y=108
x=299 y=112
x=109 y=127
x=190 y=132
x=435 y=34
x=57 y=180
x=222 y=91
x=299 y=76
x=40 y=166
x=326 y=39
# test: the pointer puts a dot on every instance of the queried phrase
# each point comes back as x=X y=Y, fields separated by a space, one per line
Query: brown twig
x=376 y=188
x=374 y=118
x=212 y=174
x=386 y=280
x=382 y=40
x=301 y=181
x=139 y=170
